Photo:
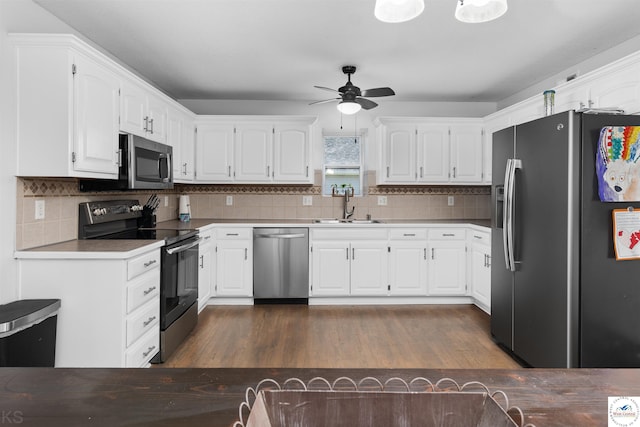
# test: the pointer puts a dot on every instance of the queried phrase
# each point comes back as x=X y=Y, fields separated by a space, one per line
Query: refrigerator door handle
x=515 y=165
x=505 y=213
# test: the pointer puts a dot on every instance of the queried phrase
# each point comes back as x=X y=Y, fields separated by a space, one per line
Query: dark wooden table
x=211 y=397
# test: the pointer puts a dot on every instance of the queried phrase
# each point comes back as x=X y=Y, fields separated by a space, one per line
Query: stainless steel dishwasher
x=281 y=265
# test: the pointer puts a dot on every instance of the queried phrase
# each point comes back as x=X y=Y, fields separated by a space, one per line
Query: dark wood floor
x=301 y=336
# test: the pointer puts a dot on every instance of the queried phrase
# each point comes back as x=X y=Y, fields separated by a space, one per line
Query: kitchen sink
x=346 y=221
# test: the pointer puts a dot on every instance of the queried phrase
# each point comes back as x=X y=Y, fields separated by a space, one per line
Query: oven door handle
x=184 y=247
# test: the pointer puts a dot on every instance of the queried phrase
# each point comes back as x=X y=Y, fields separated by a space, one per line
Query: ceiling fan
x=351 y=98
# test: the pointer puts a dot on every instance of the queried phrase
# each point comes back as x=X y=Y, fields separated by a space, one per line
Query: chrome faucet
x=348 y=191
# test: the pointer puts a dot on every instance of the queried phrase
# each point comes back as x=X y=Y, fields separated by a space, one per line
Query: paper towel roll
x=184 y=211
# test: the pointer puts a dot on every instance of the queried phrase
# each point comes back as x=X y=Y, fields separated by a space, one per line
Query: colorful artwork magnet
x=618 y=164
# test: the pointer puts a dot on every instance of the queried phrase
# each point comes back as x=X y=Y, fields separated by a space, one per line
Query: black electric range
x=127 y=219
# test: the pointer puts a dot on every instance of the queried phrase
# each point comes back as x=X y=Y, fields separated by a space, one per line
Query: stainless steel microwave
x=144 y=165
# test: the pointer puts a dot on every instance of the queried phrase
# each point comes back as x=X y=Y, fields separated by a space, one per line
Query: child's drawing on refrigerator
x=618 y=164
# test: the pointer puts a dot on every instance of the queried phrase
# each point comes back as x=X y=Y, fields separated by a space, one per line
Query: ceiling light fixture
x=398 y=10
x=475 y=11
x=348 y=107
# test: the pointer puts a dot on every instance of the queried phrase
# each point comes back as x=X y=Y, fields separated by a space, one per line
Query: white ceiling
x=280 y=49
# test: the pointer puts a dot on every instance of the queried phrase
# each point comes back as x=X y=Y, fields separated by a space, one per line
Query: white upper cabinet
x=400 y=153
x=617 y=89
x=243 y=149
x=68 y=107
x=422 y=151
x=214 y=152
x=96 y=112
x=253 y=152
x=433 y=153
x=466 y=153
x=291 y=153
x=143 y=113
x=181 y=137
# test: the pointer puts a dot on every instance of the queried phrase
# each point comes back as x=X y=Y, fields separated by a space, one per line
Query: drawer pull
x=150 y=263
x=146 y=353
x=148 y=321
x=232 y=234
x=409 y=234
x=477 y=237
x=148 y=291
x=448 y=235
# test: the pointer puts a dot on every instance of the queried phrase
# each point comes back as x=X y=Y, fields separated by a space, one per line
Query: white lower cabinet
x=480 y=268
x=408 y=262
x=446 y=253
x=110 y=307
x=206 y=270
x=331 y=268
x=369 y=268
x=234 y=262
x=349 y=262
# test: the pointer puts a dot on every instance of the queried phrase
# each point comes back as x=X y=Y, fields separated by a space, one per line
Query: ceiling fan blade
x=325 y=101
x=327 y=88
x=365 y=103
x=379 y=91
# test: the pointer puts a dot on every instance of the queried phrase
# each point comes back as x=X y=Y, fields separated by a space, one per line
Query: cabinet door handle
x=421 y=172
x=454 y=171
x=246 y=254
x=148 y=291
x=146 y=353
x=146 y=123
x=425 y=253
x=353 y=253
x=267 y=171
x=307 y=171
x=151 y=123
x=119 y=157
x=387 y=171
x=347 y=253
x=184 y=168
x=433 y=253
x=229 y=174
x=488 y=261
x=150 y=263
x=201 y=261
x=148 y=321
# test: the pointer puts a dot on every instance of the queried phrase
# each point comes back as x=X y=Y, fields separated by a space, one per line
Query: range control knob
x=136 y=208
x=99 y=211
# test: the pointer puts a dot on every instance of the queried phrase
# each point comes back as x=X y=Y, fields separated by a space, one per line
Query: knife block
x=148 y=219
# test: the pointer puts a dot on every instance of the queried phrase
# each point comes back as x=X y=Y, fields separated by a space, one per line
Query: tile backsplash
x=62 y=197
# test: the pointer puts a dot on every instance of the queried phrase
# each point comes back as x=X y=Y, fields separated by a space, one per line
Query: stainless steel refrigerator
x=559 y=298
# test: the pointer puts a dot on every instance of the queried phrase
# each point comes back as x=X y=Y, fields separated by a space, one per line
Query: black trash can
x=28 y=333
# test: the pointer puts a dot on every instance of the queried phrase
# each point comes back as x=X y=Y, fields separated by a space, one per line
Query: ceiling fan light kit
x=348 y=107
x=351 y=97
x=394 y=11
x=476 y=11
